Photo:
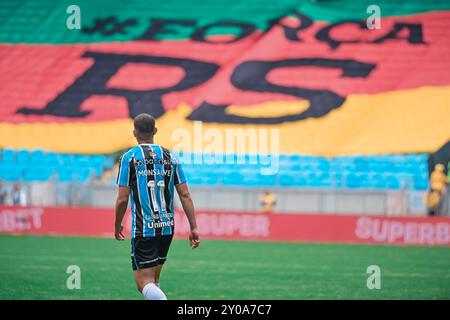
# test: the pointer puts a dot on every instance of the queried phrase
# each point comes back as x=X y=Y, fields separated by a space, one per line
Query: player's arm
x=188 y=207
x=121 y=208
x=123 y=181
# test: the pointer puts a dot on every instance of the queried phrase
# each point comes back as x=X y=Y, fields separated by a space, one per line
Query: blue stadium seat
x=196 y=180
x=97 y=161
x=295 y=158
x=23 y=157
x=232 y=179
x=37 y=173
x=297 y=180
x=65 y=159
x=286 y=180
x=82 y=161
x=292 y=167
x=11 y=173
x=66 y=174
x=82 y=174
x=352 y=181
x=353 y=172
x=323 y=164
x=50 y=159
x=392 y=181
x=267 y=180
x=8 y=156
x=37 y=157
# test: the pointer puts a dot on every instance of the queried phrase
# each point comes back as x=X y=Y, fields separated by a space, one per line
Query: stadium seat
x=8 y=156
x=39 y=165
x=358 y=172
x=353 y=172
x=23 y=157
x=37 y=174
x=37 y=157
x=11 y=173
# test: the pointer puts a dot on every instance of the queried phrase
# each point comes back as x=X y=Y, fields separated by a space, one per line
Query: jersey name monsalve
x=151 y=172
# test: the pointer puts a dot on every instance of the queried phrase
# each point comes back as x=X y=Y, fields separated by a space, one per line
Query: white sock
x=152 y=292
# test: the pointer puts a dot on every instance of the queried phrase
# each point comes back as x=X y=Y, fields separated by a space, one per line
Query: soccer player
x=148 y=174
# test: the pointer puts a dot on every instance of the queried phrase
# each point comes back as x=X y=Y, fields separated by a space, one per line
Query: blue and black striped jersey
x=151 y=172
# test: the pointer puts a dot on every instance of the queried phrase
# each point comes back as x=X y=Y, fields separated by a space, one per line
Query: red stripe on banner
x=429 y=231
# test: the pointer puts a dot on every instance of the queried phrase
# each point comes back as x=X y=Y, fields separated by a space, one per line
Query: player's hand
x=194 y=238
x=118 y=233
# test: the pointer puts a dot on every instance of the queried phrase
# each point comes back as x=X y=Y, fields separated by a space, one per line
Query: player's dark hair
x=144 y=124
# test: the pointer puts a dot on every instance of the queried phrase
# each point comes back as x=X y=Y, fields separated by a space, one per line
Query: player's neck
x=145 y=141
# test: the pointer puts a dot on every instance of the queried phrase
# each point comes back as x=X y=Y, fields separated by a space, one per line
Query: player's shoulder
x=173 y=157
x=165 y=152
x=129 y=153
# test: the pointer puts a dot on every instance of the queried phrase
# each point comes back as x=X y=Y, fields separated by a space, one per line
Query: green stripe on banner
x=34 y=21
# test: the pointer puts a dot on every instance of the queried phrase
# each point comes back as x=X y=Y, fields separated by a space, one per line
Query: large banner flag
x=331 y=77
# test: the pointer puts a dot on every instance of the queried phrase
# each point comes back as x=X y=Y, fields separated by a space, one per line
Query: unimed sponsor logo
x=20 y=219
x=404 y=232
x=239 y=225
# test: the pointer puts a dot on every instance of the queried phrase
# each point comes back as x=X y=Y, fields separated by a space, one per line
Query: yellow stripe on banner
x=414 y=120
x=73 y=137
x=269 y=109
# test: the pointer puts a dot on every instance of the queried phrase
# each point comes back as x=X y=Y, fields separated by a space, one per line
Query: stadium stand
x=357 y=172
x=37 y=165
x=350 y=110
x=352 y=172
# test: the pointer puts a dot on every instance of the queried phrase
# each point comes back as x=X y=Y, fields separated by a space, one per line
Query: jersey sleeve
x=123 y=176
x=179 y=177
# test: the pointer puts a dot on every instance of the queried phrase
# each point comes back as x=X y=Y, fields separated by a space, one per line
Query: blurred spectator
x=436 y=195
x=432 y=201
x=438 y=179
x=268 y=201
x=3 y=193
x=18 y=196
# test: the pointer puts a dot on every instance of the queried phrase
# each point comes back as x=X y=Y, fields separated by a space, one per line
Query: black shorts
x=149 y=252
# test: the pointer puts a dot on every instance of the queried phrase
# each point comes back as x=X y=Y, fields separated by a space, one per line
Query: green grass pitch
x=35 y=268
